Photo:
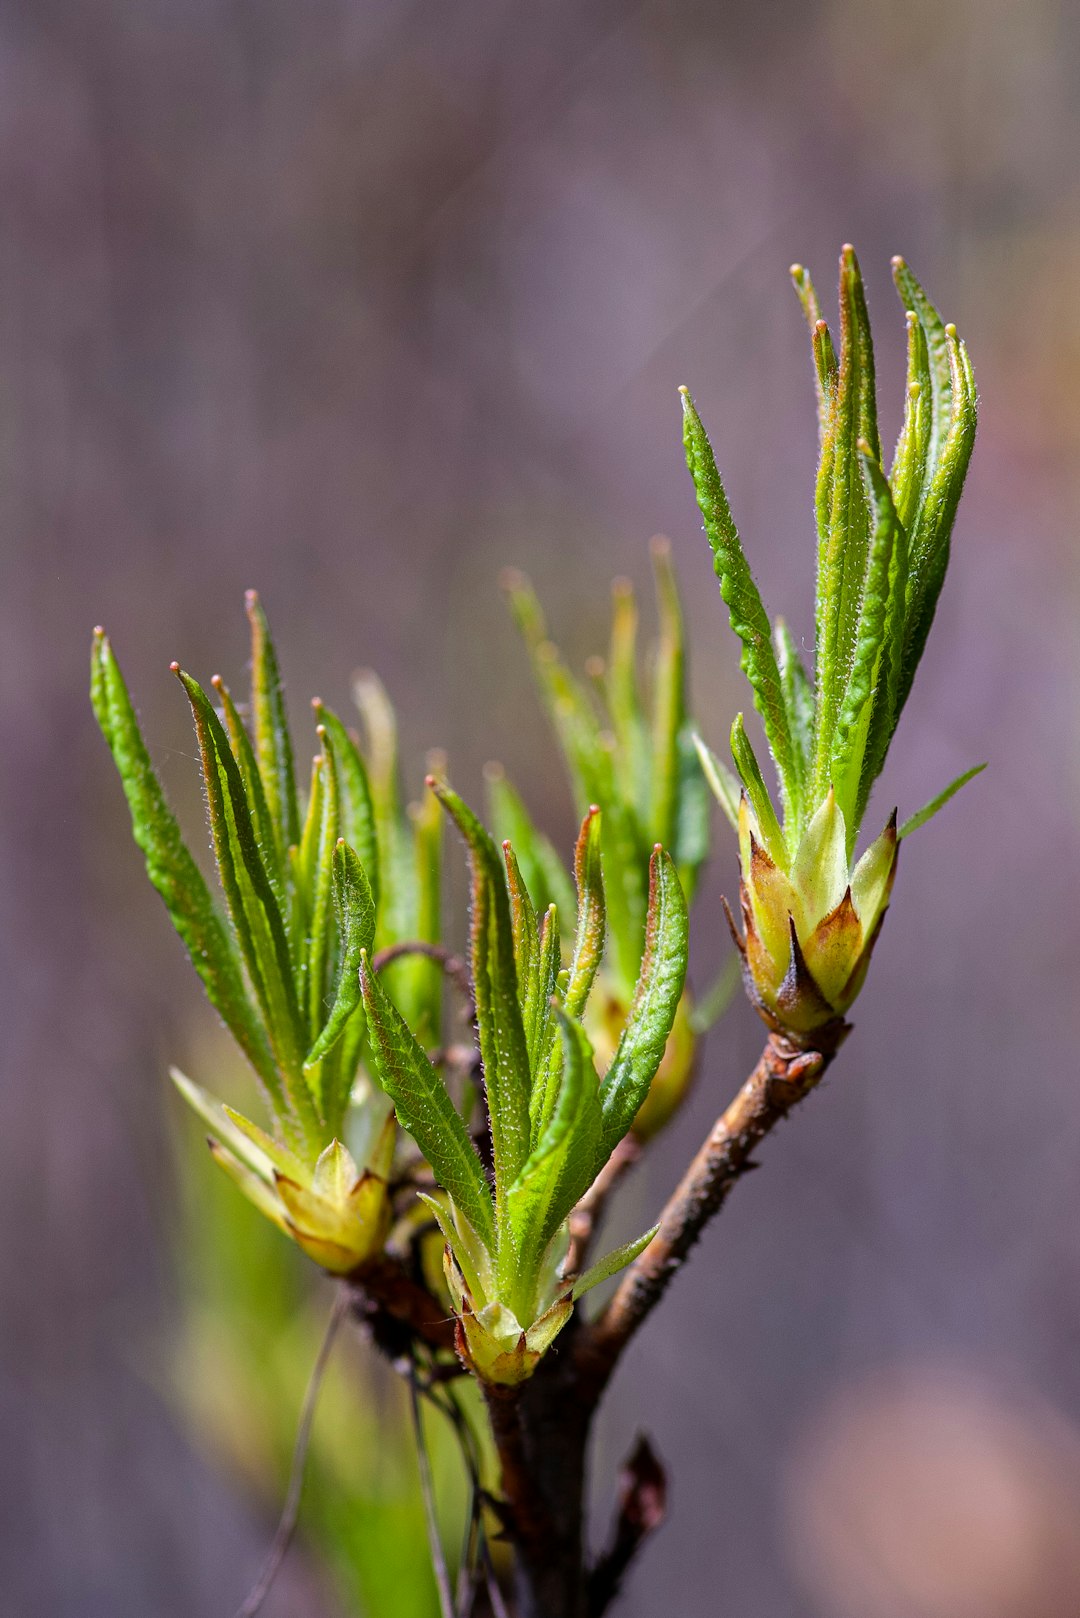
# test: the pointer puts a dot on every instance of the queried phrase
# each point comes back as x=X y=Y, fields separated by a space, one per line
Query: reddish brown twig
x=397 y=1308
x=586 y=1217
x=455 y=967
x=784 y=1074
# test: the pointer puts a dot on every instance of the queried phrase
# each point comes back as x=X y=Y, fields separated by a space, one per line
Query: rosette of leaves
x=307 y=887
x=811 y=911
x=552 y=1122
x=628 y=746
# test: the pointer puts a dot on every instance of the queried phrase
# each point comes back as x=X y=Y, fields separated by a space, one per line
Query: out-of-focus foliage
x=627 y=743
x=252 y=1316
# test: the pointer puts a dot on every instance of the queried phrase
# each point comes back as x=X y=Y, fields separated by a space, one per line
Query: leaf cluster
x=626 y=738
x=882 y=555
x=553 y=1121
x=308 y=885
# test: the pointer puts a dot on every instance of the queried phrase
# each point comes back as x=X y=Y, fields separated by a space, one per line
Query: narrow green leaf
x=843 y=557
x=355 y=907
x=249 y=894
x=355 y=806
x=929 y=810
x=591 y=915
x=423 y=985
x=907 y=476
x=503 y=1049
x=540 y=1028
x=611 y=1264
x=523 y=928
x=273 y=746
x=798 y=699
x=864 y=688
x=425 y=1109
x=669 y=701
x=656 y=1000
x=725 y=786
x=321 y=944
x=748 y=617
x=562 y=1166
x=244 y=754
x=397 y=865
x=691 y=842
x=750 y=771
x=543 y=871
x=203 y=930
x=824 y=358
x=632 y=756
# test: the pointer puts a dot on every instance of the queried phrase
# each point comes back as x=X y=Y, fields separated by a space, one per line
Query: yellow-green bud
x=809 y=929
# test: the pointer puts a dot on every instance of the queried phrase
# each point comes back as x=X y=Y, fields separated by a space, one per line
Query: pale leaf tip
x=511 y=579
x=493 y=771
x=950 y=331
x=594 y=667
x=174 y=667
x=897 y=262
x=796 y=272
x=660 y=545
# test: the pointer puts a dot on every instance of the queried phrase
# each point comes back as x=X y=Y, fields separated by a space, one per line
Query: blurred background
x=358 y=303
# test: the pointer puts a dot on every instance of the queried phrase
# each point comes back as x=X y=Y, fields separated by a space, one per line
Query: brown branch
x=642 y=1509
x=397 y=1308
x=784 y=1074
x=455 y=967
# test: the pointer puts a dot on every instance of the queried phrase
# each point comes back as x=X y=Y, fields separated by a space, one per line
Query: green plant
x=811 y=913
x=327 y=968
x=627 y=744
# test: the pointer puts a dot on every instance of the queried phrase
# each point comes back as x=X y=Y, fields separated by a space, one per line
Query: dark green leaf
x=172 y=870
x=656 y=1000
x=591 y=915
x=273 y=746
x=425 y=1109
x=747 y=615
x=503 y=1048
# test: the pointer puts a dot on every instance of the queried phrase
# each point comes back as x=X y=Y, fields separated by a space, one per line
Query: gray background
x=358 y=303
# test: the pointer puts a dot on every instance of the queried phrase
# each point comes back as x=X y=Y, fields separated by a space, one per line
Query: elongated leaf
x=748 y=617
x=656 y=1000
x=397 y=866
x=252 y=904
x=798 y=700
x=929 y=810
x=691 y=844
x=824 y=359
x=632 y=749
x=611 y=1264
x=887 y=554
x=541 y=1029
x=170 y=867
x=562 y=1166
x=503 y=1047
x=843 y=557
x=423 y=982
x=758 y=793
x=321 y=945
x=543 y=871
x=589 y=938
x=273 y=745
x=424 y=1108
x=356 y=809
x=725 y=786
x=355 y=907
x=907 y=475
x=523 y=928
x=669 y=702
x=244 y=754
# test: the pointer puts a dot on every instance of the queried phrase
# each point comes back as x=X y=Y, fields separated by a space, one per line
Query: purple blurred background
x=357 y=304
